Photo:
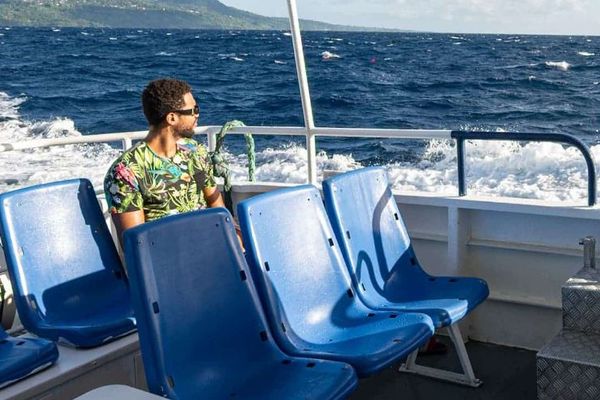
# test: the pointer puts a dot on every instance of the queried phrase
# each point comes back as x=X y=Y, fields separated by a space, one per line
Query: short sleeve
x=204 y=173
x=122 y=190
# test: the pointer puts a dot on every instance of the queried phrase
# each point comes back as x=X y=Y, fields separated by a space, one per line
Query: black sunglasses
x=189 y=111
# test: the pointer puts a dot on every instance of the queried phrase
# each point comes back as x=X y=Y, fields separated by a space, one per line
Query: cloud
x=508 y=16
x=526 y=16
x=480 y=7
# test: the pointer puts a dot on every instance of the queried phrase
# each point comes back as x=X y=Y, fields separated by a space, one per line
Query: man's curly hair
x=162 y=96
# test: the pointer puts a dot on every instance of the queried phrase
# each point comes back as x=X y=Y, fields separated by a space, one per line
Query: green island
x=169 y=14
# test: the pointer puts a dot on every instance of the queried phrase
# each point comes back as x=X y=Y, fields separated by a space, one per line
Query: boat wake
x=28 y=167
x=533 y=170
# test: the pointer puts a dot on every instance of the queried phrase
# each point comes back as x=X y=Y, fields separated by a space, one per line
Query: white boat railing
x=311 y=133
x=126 y=138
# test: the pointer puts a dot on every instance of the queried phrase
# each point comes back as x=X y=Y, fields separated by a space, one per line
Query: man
x=168 y=172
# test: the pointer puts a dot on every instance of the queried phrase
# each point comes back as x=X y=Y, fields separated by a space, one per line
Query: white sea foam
x=112 y=38
x=586 y=54
x=533 y=170
x=326 y=55
x=504 y=169
x=287 y=34
x=164 y=54
x=562 y=65
x=287 y=164
x=279 y=62
x=497 y=168
x=23 y=168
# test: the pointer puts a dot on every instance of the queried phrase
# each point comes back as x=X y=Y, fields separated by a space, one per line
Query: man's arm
x=127 y=220
x=213 y=197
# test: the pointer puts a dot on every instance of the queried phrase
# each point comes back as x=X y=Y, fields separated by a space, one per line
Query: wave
x=503 y=169
x=546 y=171
x=326 y=55
x=41 y=165
x=585 y=54
x=562 y=65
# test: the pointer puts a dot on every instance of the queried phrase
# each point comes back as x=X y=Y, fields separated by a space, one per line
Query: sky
x=564 y=17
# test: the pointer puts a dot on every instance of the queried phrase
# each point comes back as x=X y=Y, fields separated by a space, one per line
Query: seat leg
x=467 y=378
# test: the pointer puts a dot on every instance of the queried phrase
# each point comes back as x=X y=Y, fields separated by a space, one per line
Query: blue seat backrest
x=297 y=265
x=369 y=226
x=199 y=318
x=59 y=252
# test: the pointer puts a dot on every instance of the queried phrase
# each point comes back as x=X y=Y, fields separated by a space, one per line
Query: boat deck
x=506 y=372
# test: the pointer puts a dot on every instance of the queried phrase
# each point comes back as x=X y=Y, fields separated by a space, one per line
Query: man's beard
x=186 y=133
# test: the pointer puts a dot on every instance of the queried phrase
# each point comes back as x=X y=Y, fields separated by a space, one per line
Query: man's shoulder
x=129 y=156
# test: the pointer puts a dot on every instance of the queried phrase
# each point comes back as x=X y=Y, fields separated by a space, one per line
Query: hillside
x=185 y=14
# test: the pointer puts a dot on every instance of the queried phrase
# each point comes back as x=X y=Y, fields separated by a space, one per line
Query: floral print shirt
x=141 y=180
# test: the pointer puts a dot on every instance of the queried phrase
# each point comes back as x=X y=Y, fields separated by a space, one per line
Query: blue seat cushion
x=378 y=252
x=202 y=329
x=67 y=277
x=20 y=357
x=306 y=286
x=446 y=299
x=296 y=379
x=90 y=331
x=380 y=339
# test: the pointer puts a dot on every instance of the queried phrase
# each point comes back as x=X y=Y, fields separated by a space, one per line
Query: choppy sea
x=70 y=82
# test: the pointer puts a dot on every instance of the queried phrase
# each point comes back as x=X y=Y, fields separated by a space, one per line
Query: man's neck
x=162 y=141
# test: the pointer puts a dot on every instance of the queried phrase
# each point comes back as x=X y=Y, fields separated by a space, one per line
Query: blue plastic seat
x=385 y=270
x=202 y=330
x=307 y=291
x=67 y=277
x=377 y=249
x=21 y=357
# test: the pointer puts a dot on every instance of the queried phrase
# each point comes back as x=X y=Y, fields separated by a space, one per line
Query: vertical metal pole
x=460 y=158
x=127 y=143
x=309 y=123
x=211 y=139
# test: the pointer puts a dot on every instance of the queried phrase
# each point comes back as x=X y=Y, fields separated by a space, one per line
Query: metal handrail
x=461 y=136
x=419 y=134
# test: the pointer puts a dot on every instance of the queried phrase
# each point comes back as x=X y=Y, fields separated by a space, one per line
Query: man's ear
x=171 y=119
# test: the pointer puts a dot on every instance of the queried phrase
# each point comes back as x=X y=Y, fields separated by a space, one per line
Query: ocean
x=70 y=82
